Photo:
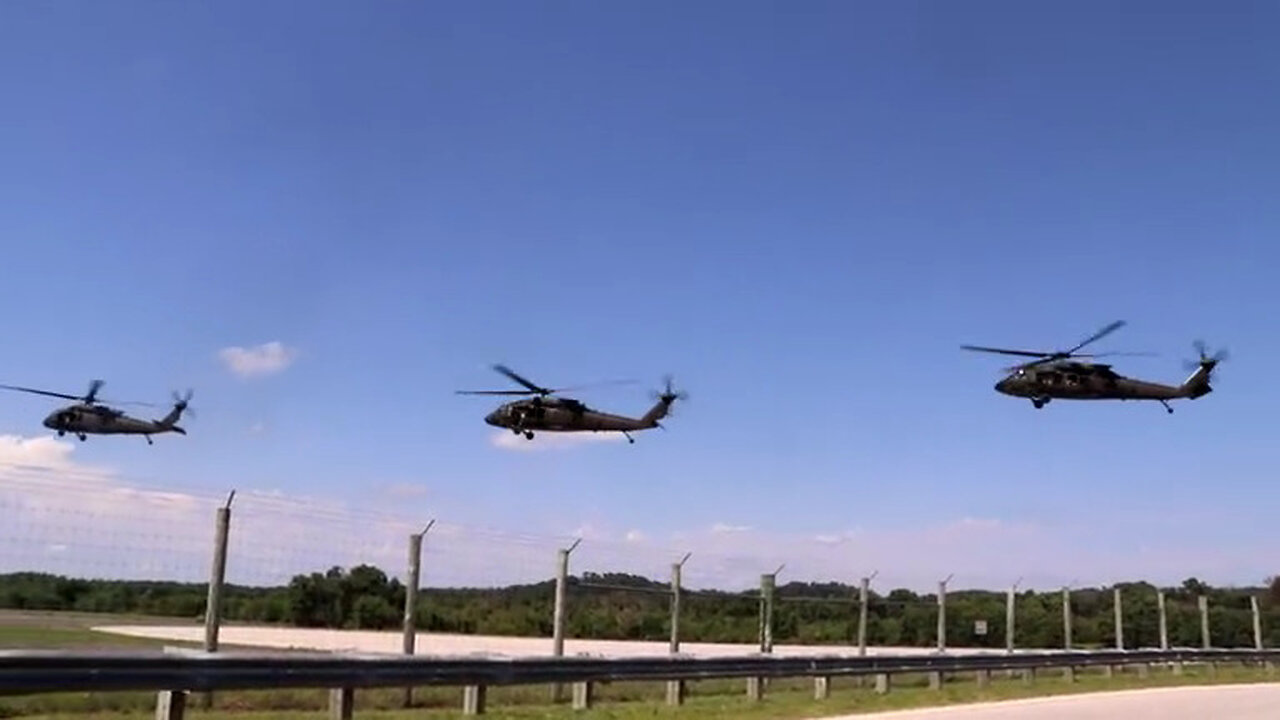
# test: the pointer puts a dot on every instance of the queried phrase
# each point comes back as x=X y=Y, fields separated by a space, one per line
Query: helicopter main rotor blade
x=503 y=369
x=1002 y=351
x=1098 y=335
x=602 y=383
x=495 y=392
x=42 y=392
x=1122 y=354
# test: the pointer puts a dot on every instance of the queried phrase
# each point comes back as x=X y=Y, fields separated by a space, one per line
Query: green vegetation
x=618 y=606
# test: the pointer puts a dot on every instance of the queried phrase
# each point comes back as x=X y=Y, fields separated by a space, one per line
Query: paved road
x=1217 y=702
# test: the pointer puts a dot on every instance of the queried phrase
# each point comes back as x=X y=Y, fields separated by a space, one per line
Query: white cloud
x=266 y=359
x=634 y=536
x=725 y=528
x=38 y=453
x=507 y=440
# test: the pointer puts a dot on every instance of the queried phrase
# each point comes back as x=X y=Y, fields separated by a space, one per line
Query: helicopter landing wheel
x=1166 y=406
x=82 y=438
x=528 y=434
x=1039 y=402
x=62 y=433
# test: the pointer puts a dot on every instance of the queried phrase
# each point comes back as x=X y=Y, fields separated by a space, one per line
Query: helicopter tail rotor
x=668 y=394
x=1204 y=359
x=1202 y=370
x=181 y=405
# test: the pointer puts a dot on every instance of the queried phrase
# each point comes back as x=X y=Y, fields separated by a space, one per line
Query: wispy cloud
x=73 y=518
x=266 y=359
x=834 y=538
x=507 y=440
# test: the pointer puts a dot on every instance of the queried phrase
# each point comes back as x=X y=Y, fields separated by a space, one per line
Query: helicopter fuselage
x=558 y=415
x=1090 y=381
x=81 y=420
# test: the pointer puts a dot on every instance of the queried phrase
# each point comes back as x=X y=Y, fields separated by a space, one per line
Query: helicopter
x=547 y=412
x=1055 y=375
x=88 y=417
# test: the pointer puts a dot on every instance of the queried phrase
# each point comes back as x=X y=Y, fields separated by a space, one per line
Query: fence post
x=1068 y=672
x=411 y=600
x=1009 y=617
x=1066 y=618
x=767 y=584
x=768 y=581
x=935 y=677
x=557 y=619
x=864 y=594
x=1164 y=620
x=1204 y=622
x=217 y=576
x=1257 y=622
x=675 y=688
x=1119 y=620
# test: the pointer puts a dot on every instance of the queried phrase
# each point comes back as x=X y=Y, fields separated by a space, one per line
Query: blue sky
x=800 y=211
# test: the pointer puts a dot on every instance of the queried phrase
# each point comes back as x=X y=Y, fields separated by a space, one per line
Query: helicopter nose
x=1003 y=386
x=492 y=418
x=50 y=421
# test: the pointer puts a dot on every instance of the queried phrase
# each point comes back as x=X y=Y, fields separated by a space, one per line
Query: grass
x=785 y=699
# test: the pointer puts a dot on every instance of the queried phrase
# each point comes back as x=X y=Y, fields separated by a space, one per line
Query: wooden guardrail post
x=583 y=693
x=342 y=703
x=821 y=687
x=473 y=697
x=171 y=704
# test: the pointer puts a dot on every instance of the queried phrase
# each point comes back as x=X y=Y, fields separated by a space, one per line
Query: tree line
x=623 y=606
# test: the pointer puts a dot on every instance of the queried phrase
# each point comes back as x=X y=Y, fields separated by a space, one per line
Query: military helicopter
x=87 y=417
x=1057 y=375
x=548 y=413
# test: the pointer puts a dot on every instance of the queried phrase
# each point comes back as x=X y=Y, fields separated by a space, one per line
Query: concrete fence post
x=557 y=618
x=676 y=688
x=217 y=577
x=412 y=581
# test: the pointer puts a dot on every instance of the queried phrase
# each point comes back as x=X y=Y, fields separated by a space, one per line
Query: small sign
x=979 y=627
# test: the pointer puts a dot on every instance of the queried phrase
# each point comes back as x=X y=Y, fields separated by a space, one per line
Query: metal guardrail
x=47 y=671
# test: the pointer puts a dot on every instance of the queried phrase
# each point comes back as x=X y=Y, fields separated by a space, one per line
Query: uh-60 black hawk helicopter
x=87 y=417
x=1055 y=375
x=548 y=413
